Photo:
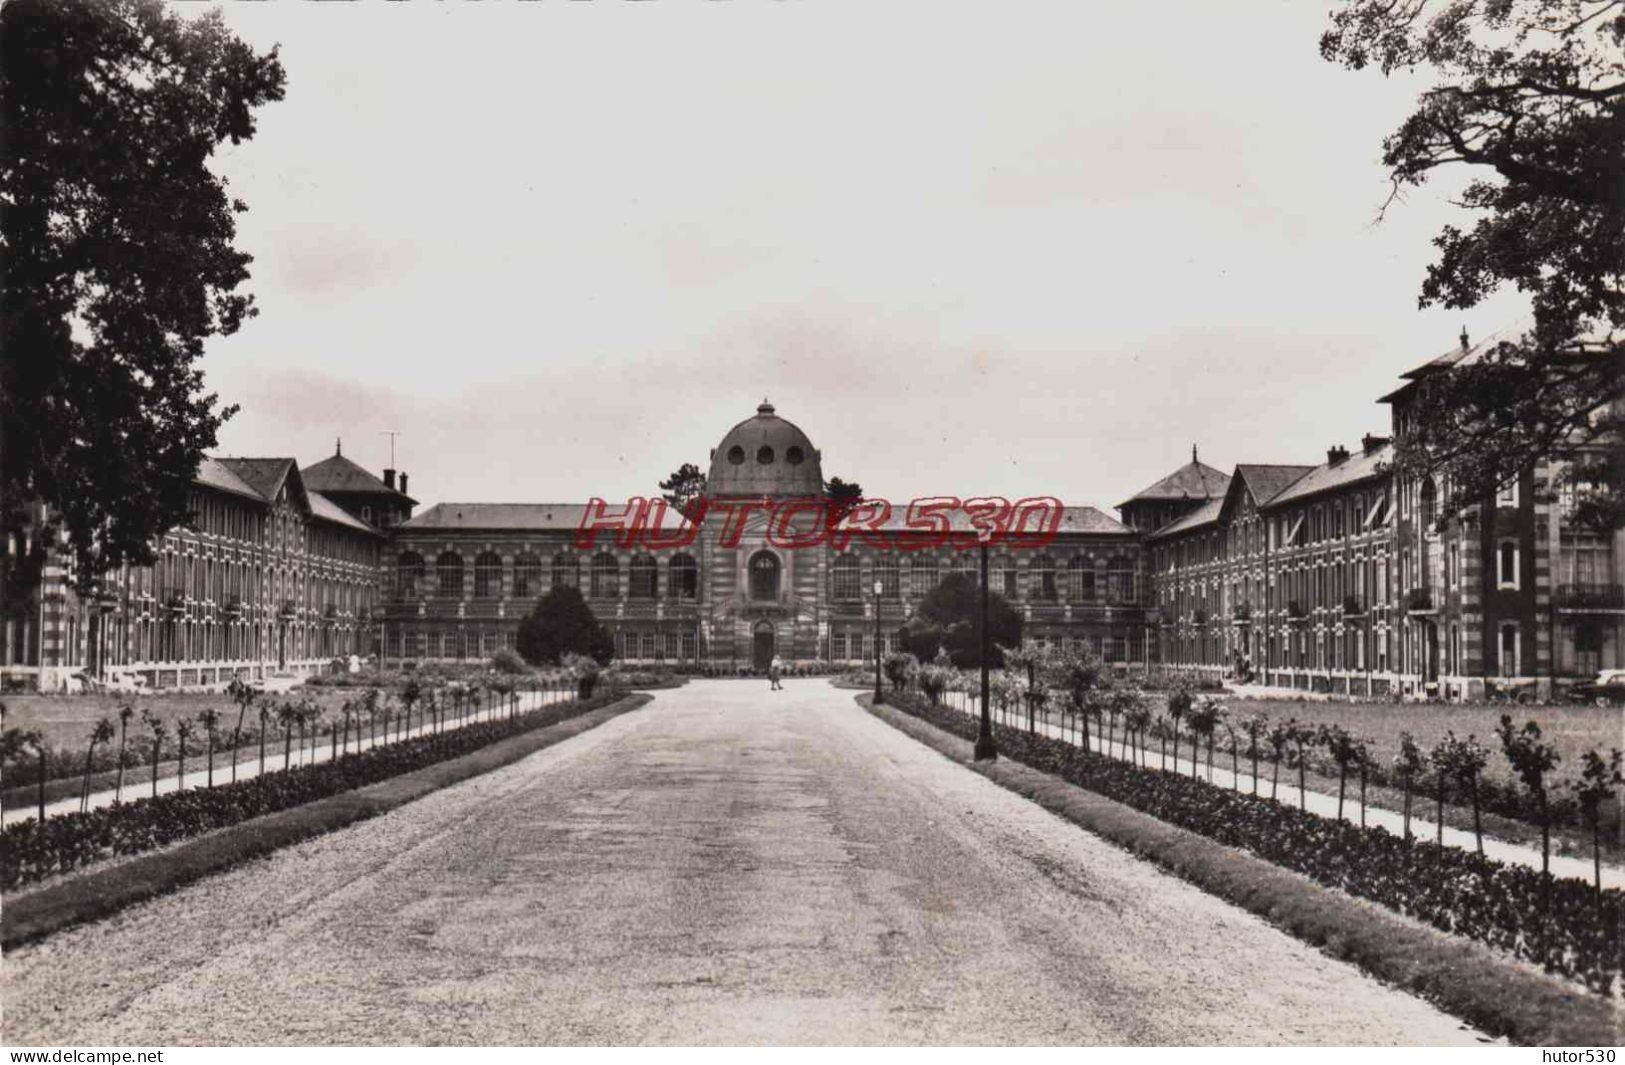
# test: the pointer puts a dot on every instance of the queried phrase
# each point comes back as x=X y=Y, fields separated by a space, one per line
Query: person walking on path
x=775 y=670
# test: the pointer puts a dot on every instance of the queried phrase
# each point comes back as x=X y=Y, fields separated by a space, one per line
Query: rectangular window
x=1508 y=495
x=1510 y=648
x=689 y=652
x=837 y=647
x=1506 y=564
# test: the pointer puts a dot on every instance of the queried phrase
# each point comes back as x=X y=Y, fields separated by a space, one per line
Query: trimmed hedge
x=1558 y=924
x=30 y=851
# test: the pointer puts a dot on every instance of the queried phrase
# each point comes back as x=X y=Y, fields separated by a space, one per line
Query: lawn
x=1573 y=729
x=67 y=720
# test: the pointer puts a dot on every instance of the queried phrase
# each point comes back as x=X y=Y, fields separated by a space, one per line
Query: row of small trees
x=359 y=720
x=1078 y=688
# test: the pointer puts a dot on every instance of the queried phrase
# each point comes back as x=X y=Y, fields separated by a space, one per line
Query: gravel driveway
x=727 y=865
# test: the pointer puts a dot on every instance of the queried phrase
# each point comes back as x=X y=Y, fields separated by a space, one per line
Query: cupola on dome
x=765 y=456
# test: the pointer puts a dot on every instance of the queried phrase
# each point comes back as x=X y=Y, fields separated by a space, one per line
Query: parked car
x=1607 y=688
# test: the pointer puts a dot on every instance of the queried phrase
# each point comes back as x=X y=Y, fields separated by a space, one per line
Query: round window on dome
x=764 y=455
x=736 y=455
x=794 y=455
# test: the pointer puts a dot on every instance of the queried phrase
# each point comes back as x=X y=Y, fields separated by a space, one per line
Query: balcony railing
x=175 y=603
x=1602 y=597
x=1419 y=601
x=234 y=606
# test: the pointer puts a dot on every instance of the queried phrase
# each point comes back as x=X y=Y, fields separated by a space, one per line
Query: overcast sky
x=1015 y=247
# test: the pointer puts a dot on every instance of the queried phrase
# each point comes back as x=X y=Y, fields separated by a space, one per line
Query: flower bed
x=30 y=851
x=1559 y=924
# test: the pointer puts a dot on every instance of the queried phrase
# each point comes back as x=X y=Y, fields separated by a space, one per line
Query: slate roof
x=1267 y=482
x=1204 y=515
x=566 y=517
x=1074 y=520
x=537 y=517
x=1358 y=467
x=338 y=474
x=212 y=473
x=326 y=510
x=264 y=476
x=1194 y=480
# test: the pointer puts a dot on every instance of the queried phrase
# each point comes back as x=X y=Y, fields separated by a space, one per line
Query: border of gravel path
x=1494 y=994
x=100 y=893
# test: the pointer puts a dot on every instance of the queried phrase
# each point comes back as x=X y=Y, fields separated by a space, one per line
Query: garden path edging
x=1470 y=981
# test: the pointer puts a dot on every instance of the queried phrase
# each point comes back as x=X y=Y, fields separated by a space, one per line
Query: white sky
x=1020 y=247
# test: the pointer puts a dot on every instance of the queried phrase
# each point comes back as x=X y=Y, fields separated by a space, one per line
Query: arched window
x=1080 y=579
x=449 y=569
x=1120 y=580
x=643 y=576
x=487 y=575
x=888 y=573
x=409 y=572
x=606 y=576
x=1430 y=505
x=566 y=570
x=922 y=575
x=846 y=579
x=682 y=577
x=1041 y=575
x=764 y=576
x=527 y=576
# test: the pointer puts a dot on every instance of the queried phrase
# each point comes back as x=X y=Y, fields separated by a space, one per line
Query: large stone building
x=1335 y=577
x=1343 y=578
x=467 y=572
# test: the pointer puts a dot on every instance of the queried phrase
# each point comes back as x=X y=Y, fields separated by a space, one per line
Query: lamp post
x=985 y=749
x=880 y=586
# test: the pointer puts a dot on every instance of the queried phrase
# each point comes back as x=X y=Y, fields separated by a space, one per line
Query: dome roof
x=765 y=456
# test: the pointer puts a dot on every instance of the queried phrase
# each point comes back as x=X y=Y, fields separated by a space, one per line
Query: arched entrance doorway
x=762 y=646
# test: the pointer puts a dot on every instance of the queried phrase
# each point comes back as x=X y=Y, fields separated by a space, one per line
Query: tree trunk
x=118 y=789
x=1439 y=811
x=1254 y=754
x=210 y=773
x=287 y=746
x=1342 y=781
x=1478 y=826
x=262 y=746
x=42 y=757
x=1362 y=794
x=1275 y=777
x=84 y=788
x=180 y=770
x=1405 y=786
x=155 y=769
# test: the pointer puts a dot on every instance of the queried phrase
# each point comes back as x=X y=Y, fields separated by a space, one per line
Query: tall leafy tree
x=561 y=623
x=842 y=496
x=119 y=262
x=1528 y=97
x=684 y=488
x=949 y=619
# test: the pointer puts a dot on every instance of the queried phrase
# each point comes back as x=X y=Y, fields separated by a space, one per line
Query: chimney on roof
x=1369 y=443
x=1464 y=344
x=389 y=479
x=403 y=482
x=1336 y=454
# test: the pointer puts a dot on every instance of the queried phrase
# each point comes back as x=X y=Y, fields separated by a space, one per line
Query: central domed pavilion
x=765 y=456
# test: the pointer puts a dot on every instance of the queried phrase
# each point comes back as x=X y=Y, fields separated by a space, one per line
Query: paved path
x=726 y=865
x=1324 y=804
